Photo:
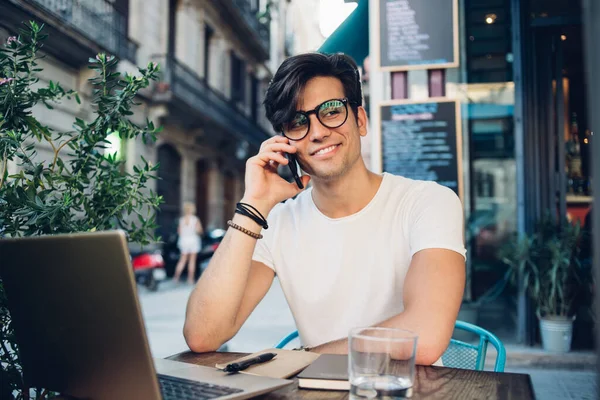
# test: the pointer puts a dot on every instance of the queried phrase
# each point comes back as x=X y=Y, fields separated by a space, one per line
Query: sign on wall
x=422 y=140
x=417 y=34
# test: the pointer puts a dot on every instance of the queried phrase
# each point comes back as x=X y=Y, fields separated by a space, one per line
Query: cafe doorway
x=169 y=188
x=556 y=143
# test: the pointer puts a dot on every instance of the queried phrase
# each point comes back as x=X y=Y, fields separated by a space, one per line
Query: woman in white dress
x=189 y=230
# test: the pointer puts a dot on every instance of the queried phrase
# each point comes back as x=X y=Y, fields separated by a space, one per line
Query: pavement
x=164 y=315
x=567 y=377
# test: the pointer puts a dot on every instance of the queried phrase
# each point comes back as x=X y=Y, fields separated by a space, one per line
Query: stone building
x=217 y=58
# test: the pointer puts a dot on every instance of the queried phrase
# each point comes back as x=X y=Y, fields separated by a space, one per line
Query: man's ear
x=362 y=121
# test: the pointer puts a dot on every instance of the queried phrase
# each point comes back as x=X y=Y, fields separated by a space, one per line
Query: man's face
x=328 y=153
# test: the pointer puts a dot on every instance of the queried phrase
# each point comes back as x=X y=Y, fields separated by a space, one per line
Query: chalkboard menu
x=418 y=34
x=423 y=141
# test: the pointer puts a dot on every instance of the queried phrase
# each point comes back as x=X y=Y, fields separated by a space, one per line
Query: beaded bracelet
x=246 y=231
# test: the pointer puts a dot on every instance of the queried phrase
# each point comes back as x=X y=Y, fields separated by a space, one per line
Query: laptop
x=79 y=326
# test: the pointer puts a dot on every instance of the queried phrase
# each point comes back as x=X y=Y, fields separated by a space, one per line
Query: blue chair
x=283 y=342
x=464 y=355
x=459 y=354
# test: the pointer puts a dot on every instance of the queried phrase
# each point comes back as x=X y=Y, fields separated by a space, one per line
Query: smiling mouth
x=325 y=150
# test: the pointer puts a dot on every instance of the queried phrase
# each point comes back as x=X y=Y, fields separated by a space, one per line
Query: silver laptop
x=79 y=326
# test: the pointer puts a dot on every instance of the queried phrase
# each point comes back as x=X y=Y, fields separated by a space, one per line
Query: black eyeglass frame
x=315 y=111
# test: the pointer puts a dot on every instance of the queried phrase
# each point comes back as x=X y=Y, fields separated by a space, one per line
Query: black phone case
x=293 y=164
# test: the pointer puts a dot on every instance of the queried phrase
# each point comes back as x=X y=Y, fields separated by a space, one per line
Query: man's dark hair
x=282 y=95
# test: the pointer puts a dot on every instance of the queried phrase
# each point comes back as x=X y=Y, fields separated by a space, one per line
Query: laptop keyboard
x=173 y=388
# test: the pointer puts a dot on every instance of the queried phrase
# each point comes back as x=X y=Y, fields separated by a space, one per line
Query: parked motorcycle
x=148 y=268
x=210 y=241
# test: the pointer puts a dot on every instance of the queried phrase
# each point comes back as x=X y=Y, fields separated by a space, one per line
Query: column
x=591 y=14
x=215 y=201
x=188 y=176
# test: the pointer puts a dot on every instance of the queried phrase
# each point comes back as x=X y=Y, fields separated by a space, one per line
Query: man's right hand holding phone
x=233 y=283
x=264 y=187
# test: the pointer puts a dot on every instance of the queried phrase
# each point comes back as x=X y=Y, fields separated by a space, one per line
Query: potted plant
x=547 y=264
x=82 y=186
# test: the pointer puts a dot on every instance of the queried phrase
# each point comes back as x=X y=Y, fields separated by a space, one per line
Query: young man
x=356 y=249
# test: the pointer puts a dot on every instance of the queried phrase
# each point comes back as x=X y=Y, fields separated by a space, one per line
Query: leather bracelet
x=244 y=230
x=251 y=212
x=253 y=217
x=246 y=205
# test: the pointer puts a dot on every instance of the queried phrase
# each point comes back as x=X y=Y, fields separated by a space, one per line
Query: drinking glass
x=381 y=363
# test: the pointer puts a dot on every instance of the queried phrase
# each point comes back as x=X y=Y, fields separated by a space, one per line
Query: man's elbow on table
x=430 y=350
x=199 y=341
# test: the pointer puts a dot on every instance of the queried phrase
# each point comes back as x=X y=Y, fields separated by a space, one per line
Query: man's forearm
x=428 y=350
x=339 y=346
x=215 y=301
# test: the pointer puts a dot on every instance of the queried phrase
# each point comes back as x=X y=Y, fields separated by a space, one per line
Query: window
x=238 y=78
x=208 y=36
x=254 y=101
x=488 y=39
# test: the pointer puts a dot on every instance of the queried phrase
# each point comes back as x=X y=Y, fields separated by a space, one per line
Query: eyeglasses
x=331 y=114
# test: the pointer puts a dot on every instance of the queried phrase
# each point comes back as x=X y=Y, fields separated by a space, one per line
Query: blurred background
x=523 y=134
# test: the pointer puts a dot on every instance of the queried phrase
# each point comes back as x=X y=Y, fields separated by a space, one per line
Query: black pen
x=242 y=365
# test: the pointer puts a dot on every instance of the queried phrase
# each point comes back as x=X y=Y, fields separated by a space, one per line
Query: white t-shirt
x=338 y=274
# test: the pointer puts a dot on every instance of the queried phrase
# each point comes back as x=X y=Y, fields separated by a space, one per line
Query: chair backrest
x=283 y=342
x=464 y=355
x=459 y=354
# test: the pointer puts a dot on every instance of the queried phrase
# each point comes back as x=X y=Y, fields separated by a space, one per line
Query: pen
x=242 y=365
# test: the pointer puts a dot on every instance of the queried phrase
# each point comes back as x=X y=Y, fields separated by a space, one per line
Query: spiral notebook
x=287 y=363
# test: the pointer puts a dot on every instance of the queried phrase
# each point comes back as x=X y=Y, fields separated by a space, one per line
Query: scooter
x=149 y=269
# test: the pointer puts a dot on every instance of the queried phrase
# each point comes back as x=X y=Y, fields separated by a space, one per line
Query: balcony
x=243 y=18
x=77 y=29
x=201 y=105
x=249 y=16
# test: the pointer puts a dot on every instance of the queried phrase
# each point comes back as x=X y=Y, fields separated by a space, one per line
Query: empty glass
x=381 y=363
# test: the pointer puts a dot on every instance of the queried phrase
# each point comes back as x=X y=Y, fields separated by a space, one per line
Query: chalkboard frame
x=377 y=47
x=458 y=129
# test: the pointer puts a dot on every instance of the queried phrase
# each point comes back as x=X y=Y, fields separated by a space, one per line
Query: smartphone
x=293 y=164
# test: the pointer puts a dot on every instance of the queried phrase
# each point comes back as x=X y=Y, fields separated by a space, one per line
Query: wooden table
x=431 y=382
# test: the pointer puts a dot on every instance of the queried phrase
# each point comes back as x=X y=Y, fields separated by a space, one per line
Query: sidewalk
x=556 y=384
x=570 y=376
x=536 y=357
x=164 y=316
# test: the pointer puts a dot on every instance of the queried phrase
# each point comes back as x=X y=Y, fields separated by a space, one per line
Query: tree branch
x=120 y=206
x=56 y=151
x=49 y=140
x=4 y=168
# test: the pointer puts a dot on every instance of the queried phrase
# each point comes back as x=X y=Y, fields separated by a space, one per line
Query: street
x=164 y=313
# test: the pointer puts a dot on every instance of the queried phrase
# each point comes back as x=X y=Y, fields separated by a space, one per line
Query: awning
x=485 y=110
x=352 y=36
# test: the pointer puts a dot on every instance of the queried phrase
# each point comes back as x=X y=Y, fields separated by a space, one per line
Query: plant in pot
x=81 y=186
x=547 y=264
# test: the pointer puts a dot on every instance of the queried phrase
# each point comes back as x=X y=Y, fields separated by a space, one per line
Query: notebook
x=287 y=363
x=329 y=371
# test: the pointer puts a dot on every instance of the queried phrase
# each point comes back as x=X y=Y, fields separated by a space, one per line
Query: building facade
x=526 y=141
x=217 y=58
